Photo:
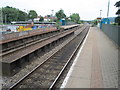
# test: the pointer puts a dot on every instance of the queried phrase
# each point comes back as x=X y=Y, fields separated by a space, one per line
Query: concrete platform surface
x=69 y=26
x=96 y=64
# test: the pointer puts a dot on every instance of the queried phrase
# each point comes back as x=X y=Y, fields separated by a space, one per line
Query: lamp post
x=70 y=17
x=1 y=16
x=52 y=15
x=100 y=19
x=108 y=11
x=100 y=13
x=5 y=18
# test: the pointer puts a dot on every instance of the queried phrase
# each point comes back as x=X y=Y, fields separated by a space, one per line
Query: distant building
x=48 y=19
x=110 y=20
x=98 y=21
x=63 y=22
x=36 y=19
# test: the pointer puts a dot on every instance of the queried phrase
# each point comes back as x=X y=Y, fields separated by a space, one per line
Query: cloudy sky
x=87 y=9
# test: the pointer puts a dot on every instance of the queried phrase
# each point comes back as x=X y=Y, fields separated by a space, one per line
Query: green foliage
x=60 y=14
x=117 y=4
x=58 y=25
x=67 y=20
x=75 y=17
x=22 y=16
x=117 y=20
x=95 y=22
x=118 y=12
x=12 y=14
x=32 y=14
x=41 y=19
x=81 y=21
x=48 y=15
x=114 y=24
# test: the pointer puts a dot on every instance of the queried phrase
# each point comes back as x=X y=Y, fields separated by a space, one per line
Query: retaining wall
x=24 y=33
x=113 y=32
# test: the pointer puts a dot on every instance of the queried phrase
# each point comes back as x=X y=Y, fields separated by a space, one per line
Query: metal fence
x=113 y=32
x=70 y=23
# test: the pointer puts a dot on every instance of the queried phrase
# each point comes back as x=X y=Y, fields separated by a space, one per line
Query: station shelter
x=62 y=22
x=110 y=20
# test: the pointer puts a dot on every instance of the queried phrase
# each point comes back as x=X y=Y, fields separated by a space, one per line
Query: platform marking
x=75 y=61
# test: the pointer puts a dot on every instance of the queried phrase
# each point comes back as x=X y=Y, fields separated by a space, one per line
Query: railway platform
x=69 y=26
x=96 y=64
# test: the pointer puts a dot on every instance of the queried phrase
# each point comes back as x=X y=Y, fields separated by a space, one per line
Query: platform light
x=108 y=10
x=52 y=15
x=100 y=13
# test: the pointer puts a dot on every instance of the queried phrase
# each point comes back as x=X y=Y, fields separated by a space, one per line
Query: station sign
x=99 y=18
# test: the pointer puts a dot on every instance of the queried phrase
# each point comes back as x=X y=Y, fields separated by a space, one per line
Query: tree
x=22 y=16
x=12 y=14
x=117 y=4
x=32 y=14
x=9 y=14
x=48 y=15
x=41 y=19
x=117 y=19
x=60 y=14
x=75 y=17
x=95 y=22
x=118 y=12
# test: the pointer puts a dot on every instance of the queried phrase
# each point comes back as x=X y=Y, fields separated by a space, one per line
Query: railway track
x=29 y=43
x=26 y=44
x=46 y=74
x=13 y=60
x=29 y=48
x=23 y=41
x=27 y=40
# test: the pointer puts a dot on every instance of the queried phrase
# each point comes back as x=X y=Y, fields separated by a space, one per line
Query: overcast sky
x=87 y=9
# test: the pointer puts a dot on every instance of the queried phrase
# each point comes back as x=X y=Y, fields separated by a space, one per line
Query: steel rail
x=29 y=44
x=5 y=50
x=61 y=72
x=24 y=43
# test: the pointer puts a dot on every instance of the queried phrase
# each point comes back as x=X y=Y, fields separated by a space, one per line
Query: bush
x=58 y=25
x=114 y=24
x=117 y=20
